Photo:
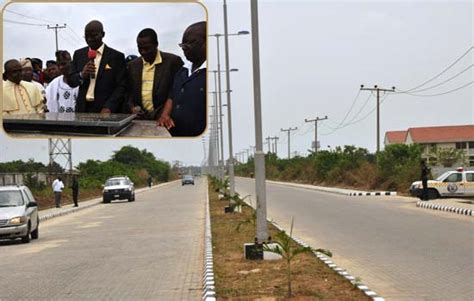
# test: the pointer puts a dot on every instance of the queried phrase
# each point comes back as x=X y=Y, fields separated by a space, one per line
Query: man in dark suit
x=102 y=80
x=185 y=111
x=150 y=77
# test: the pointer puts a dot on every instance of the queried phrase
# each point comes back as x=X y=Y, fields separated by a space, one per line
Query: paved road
x=400 y=251
x=151 y=249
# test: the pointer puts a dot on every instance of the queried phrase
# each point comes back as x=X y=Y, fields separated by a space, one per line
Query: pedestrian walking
x=75 y=190
x=150 y=181
x=424 y=180
x=58 y=187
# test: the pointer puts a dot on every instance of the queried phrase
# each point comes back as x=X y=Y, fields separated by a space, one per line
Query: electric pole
x=289 y=131
x=376 y=88
x=315 y=130
x=56 y=27
x=275 y=144
x=268 y=143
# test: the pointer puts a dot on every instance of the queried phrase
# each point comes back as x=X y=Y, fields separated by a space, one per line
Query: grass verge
x=239 y=279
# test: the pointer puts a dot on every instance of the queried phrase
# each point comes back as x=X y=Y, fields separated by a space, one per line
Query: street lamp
x=219 y=110
x=229 y=115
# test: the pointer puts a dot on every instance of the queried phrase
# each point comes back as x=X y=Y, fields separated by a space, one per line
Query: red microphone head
x=91 y=54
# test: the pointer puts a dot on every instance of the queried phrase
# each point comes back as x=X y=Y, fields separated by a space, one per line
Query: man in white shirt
x=61 y=98
x=58 y=187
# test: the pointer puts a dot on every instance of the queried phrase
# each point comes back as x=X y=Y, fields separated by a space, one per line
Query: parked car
x=455 y=183
x=118 y=188
x=187 y=179
x=18 y=213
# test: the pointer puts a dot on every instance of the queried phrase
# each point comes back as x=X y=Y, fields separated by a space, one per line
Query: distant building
x=459 y=137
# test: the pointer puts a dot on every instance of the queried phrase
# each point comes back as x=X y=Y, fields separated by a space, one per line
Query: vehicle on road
x=455 y=183
x=118 y=188
x=18 y=213
x=187 y=179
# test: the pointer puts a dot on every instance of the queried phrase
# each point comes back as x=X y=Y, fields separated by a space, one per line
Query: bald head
x=194 y=43
x=94 y=32
x=95 y=25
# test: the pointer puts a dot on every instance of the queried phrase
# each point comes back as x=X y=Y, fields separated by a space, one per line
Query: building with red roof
x=459 y=137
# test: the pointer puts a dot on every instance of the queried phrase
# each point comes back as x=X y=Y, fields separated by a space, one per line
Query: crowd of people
x=99 y=79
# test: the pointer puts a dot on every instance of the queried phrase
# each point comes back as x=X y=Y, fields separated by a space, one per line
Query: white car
x=455 y=183
x=118 y=188
x=18 y=213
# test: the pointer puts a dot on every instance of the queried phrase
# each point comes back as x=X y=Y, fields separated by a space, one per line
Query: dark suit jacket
x=162 y=82
x=110 y=83
x=189 y=103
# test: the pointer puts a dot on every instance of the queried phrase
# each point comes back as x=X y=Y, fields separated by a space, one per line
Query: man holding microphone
x=99 y=71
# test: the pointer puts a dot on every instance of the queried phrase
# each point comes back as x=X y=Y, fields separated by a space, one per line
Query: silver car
x=18 y=213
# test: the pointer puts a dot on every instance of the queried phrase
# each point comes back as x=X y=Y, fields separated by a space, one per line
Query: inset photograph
x=104 y=70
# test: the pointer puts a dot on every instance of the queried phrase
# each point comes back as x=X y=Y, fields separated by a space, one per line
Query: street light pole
x=229 y=115
x=259 y=159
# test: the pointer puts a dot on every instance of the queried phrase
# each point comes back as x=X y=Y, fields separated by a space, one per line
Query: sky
x=314 y=56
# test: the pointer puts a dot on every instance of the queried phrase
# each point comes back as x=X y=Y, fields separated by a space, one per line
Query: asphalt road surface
x=400 y=251
x=150 y=249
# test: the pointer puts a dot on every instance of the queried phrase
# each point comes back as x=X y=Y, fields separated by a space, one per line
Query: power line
x=30 y=17
x=443 y=93
x=24 y=23
x=77 y=35
x=442 y=72
x=437 y=85
x=350 y=109
x=341 y=125
x=352 y=122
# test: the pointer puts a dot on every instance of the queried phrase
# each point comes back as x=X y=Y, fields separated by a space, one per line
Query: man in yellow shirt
x=150 y=77
x=19 y=97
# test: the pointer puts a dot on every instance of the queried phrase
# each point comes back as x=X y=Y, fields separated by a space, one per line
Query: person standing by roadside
x=150 y=181
x=75 y=190
x=424 y=180
x=58 y=187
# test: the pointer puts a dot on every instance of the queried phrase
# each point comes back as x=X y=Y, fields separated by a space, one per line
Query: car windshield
x=115 y=182
x=188 y=177
x=11 y=198
x=441 y=177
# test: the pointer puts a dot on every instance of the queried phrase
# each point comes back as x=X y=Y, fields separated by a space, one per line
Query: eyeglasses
x=189 y=44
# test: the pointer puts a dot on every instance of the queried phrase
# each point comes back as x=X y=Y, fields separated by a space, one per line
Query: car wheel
x=432 y=194
x=26 y=239
x=35 y=233
x=106 y=201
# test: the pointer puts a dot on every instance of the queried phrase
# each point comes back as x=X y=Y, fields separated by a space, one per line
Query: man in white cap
x=27 y=75
x=19 y=97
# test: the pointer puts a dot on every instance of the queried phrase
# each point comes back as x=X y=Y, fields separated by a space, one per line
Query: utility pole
x=56 y=27
x=275 y=144
x=268 y=143
x=289 y=131
x=259 y=157
x=376 y=88
x=315 y=130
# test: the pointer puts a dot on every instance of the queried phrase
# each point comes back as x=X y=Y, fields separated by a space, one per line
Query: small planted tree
x=288 y=249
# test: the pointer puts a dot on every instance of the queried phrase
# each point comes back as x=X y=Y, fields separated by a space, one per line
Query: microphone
x=91 y=54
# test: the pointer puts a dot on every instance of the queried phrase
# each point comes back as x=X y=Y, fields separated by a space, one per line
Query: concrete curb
x=377 y=193
x=329 y=263
x=457 y=210
x=91 y=203
x=342 y=191
x=208 y=289
x=335 y=268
